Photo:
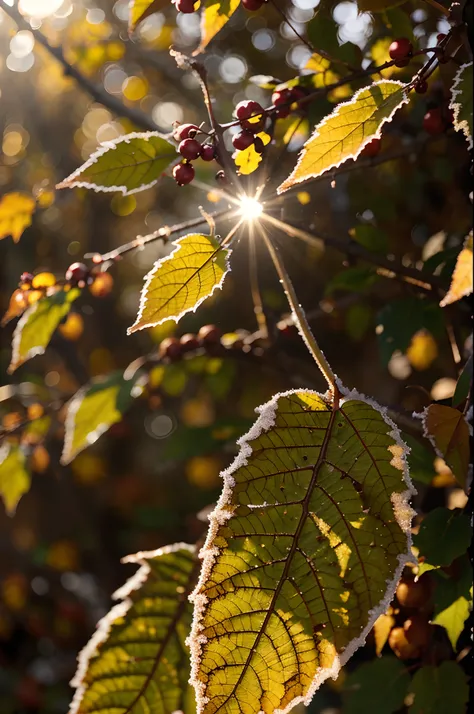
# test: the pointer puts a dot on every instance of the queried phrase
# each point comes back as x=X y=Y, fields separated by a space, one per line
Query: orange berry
x=418 y=631
x=73 y=328
x=102 y=285
x=401 y=646
x=35 y=411
x=12 y=420
x=39 y=459
x=411 y=593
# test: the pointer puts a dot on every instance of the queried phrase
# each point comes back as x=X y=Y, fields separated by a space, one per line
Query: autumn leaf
x=461 y=282
x=248 y=160
x=303 y=554
x=215 y=14
x=16 y=210
x=37 y=324
x=181 y=281
x=343 y=134
x=461 y=101
x=14 y=476
x=448 y=431
x=139 y=10
x=137 y=660
x=129 y=164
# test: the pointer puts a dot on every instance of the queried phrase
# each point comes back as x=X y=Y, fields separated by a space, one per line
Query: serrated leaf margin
x=457 y=106
x=403 y=513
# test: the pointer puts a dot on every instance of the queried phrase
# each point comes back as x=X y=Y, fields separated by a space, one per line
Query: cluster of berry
x=174 y=347
x=100 y=284
x=413 y=633
x=190 y=149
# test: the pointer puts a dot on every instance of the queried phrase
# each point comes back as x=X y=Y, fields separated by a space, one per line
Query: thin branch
x=300 y=315
x=255 y=290
x=443 y=10
x=97 y=92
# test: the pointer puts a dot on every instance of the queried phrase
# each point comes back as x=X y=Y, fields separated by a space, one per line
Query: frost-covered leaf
x=343 y=134
x=304 y=551
x=37 y=324
x=181 y=281
x=138 y=10
x=137 y=661
x=215 y=14
x=377 y=686
x=448 y=431
x=14 y=476
x=444 y=535
x=461 y=102
x=461 y=282
x=128 y=164
x=439 y=690
x=93 y=410
x=16 y=210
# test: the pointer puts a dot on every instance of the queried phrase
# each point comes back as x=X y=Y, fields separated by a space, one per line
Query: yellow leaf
x=16 y=210
x=343 y=134
x=448 y=431
x=382 y=628
x=140 y=9
x=422 y=350
x=213 y=18
x=461 y=283
x=14 y=478
x=181 y=281
x=248 y=160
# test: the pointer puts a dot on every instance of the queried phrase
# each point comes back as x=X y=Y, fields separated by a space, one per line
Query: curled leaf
x=304 y=552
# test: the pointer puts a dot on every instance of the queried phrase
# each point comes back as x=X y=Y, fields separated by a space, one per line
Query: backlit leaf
x=448 y=432
x=93 y=410
x=138 y=10
x=215 y=14
x=181 y=281
x=248 y=160
x=453 y=618
x=453 y=597
x=137 y=661
x=444 y=535
x=16 y=210
x=37 y=324
x=461 y=283
x=382 y=628
x=14 y=477
x=16 y=306
x=128 y=164
x=304 y=551
x=461 y=101
x=439 y=690
x=377 y=686
x=343 y=134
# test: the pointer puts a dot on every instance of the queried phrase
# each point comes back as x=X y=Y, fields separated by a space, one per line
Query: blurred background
x=144 y=483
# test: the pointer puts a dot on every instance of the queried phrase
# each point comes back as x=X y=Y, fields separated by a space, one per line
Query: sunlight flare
x=250 y=208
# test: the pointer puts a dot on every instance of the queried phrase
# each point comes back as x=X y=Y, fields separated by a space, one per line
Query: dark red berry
x=209 y=334
x=185 y=131
x=242 y=140
x=400 y=49
x=221 y=177
x=170 y=347
x=185 y=6
x=282 y=98
x=189 y=342
x=252 y=5
x=247 y=108
x=258 y=145
x=433 y=122
x=421 y=87
x=440 y=37
x=372 y=148
x=76 y=273
x=190 y=149
x=208 y=153
x=26 y=277
x=183 y=173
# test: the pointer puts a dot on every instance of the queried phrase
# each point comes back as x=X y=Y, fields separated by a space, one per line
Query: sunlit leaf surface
x=448 y=431
x=137 y=661
x=461 y=283
x=344 y=133
x=129 y=164
x=215 y=14
x=16 y=210
x=14 y=476
x=180 y=282
x=303 y=554
x=138 y=10
x=461 y=101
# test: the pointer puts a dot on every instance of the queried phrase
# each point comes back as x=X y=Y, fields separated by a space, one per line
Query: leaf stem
x=299 y=315
x=439 y=7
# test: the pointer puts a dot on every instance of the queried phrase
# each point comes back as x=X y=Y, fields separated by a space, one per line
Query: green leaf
x=355 y=279
x=93 y=410
x=420 y=460
x=357 y=320
x=398 y=321
x=371 y=237
x=37 y=324
x=137 y=661
x=439 y=690
x=463 y=385
x=461 y=101
x=215 y=14
x=461 y=283
x=304 y=551
x=377 y=5
x=453 y=618
x=444 y=535
x=128 y=164
x=448 y=432
x=377 y=686
x=453 y=597
x=343 y=134
x=181 y=281
x=138 y=10
x=14 y=477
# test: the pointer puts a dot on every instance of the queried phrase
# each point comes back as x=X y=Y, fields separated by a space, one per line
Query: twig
x=438 y=7
x=300 y=315
x=96 y=92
